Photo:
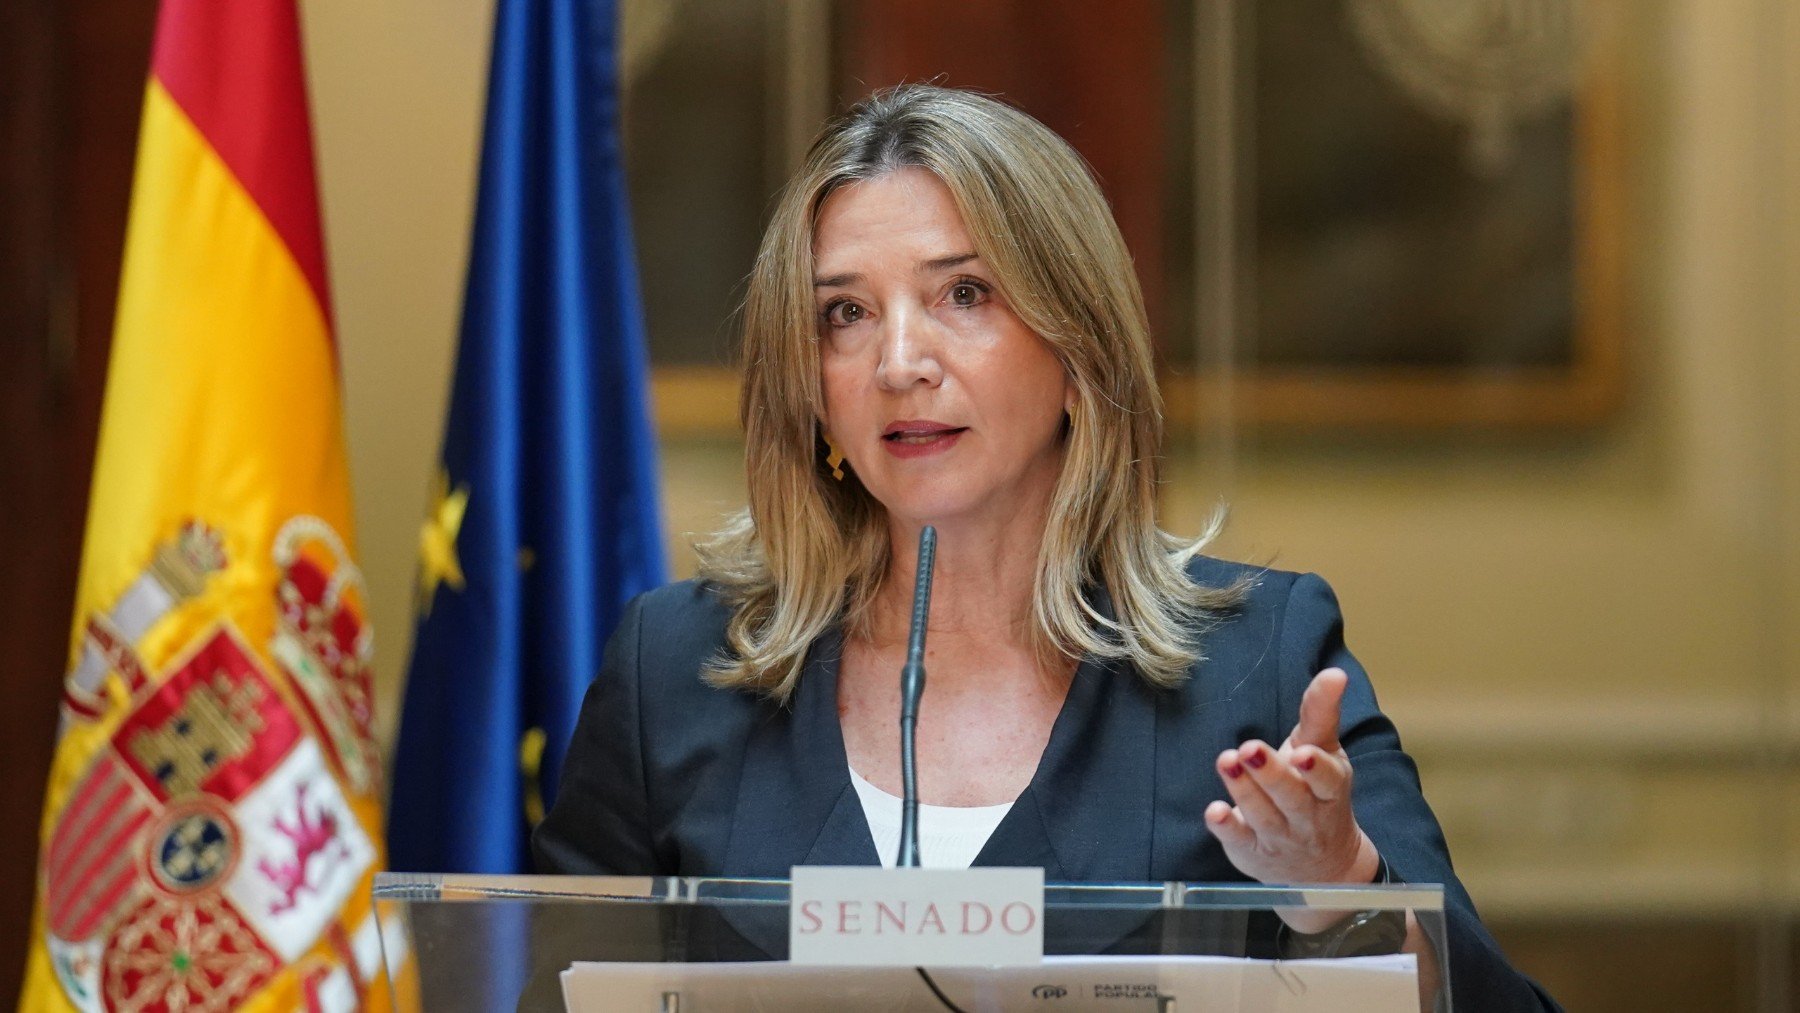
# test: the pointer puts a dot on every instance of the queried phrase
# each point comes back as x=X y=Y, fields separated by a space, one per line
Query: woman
x=943 y=327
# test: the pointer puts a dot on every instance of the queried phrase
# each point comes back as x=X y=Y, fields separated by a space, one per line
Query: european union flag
x=545 y=520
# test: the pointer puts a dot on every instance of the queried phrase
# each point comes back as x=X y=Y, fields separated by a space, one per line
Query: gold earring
x=834 y=458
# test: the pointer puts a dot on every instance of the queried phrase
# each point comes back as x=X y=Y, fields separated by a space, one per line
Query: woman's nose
x=909 y=351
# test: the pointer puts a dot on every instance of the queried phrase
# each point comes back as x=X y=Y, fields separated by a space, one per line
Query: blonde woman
x=943 y=327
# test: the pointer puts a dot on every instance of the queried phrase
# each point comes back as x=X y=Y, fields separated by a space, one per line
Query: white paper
x=1198 y=985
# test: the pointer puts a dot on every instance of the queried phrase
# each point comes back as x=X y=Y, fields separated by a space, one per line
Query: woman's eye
x=967 y=293
x=843 y=313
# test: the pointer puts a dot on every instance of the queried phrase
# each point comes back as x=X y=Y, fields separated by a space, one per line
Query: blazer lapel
x=1088 y=814
x=795 y=804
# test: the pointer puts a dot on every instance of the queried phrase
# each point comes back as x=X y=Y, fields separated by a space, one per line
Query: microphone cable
x=935 y=990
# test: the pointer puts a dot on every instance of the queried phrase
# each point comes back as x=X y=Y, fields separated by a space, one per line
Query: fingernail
x=1235 y=770
x=1305 y=762
x=1256 y=759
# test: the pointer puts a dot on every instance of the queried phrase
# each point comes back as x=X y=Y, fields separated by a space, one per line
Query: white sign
x=864 y=916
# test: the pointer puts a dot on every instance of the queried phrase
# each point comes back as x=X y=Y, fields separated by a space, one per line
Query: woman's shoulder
x=676 y=628
x=1276 y=613
x=1258 y=587
x=691 y=602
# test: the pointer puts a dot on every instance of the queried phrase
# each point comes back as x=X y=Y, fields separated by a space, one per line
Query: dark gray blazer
x=668 y=776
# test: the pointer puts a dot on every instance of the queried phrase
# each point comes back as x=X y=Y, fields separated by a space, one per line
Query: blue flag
x=544 y=521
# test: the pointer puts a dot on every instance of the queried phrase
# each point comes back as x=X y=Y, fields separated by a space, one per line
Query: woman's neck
x=982 y=582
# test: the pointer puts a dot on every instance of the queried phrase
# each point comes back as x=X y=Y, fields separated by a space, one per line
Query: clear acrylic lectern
x=454 y=943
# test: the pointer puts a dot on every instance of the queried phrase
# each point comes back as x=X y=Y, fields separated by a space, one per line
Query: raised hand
x=1292 y=821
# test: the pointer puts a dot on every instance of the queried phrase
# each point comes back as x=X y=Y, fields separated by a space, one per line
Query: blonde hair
x=811 y=551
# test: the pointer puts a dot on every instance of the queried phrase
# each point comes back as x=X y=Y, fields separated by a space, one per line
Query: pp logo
x=1049 y=992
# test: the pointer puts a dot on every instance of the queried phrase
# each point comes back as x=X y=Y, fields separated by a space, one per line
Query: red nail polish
x=1304 y=763
x=1256 y=759
x=1234 y=771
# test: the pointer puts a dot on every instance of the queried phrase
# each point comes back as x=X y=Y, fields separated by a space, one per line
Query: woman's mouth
x=917 y=438
x=921 y=438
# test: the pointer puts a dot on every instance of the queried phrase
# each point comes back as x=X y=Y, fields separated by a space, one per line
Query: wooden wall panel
x=71 y=87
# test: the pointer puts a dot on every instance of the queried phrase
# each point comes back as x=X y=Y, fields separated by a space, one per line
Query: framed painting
x=1380 y=214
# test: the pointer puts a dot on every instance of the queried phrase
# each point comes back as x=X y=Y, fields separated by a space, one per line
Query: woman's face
x=947 y=406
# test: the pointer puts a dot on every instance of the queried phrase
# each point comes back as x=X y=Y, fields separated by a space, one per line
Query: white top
x=949 y=836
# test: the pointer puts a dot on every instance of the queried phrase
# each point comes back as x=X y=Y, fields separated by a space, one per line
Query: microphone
x=912 y=686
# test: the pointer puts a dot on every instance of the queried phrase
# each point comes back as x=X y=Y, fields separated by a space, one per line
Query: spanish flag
x=212 y=822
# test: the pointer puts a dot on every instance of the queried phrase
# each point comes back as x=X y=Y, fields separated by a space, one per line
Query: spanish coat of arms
x=210 y=843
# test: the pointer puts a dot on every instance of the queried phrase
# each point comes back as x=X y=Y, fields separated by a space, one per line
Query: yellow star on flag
x=437 y=541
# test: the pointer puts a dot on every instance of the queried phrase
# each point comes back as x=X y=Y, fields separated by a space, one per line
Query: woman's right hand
x=1289 y=819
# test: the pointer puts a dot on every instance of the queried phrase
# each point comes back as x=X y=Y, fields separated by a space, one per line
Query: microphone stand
x=912 y=687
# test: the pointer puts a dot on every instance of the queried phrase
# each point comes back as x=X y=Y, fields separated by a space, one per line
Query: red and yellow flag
x=212 y=822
